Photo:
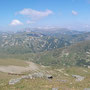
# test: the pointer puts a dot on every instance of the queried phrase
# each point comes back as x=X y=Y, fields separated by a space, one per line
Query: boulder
x=78 y=78
x=14 y=81
x=25 y=77
x=49 y=76
x=38 y=75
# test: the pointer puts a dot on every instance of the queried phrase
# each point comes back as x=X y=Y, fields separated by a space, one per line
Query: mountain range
x=61 y=47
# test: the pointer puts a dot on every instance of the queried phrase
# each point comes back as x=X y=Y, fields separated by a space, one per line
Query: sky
x=72 y=14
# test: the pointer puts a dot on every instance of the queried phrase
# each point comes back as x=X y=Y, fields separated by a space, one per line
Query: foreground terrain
x=62 y=77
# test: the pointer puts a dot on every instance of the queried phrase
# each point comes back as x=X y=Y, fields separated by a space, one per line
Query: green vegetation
x=32 y=42
x=61 y=55
x=9 y=61
x=60 y=80
x=74 y=55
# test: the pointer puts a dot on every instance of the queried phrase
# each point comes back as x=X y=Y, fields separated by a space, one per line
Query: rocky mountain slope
x=68 y=49
x=74 y=55
x=28 y=41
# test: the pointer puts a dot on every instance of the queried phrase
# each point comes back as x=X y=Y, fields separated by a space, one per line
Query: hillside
x=71 y=49
x=26 y=42
x=22 y=75
x=33 y=42
x=74 y=55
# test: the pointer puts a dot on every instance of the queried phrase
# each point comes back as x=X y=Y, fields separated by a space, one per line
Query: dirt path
x=19 y=69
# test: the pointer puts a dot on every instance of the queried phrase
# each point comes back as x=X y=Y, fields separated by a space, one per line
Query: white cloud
x=74 y=12
x=30 y=22
x=34 y=14
x=16 y=22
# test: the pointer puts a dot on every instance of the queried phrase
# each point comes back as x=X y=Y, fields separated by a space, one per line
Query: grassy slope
x=16 y=62
x=69 y=56
x=39 y=84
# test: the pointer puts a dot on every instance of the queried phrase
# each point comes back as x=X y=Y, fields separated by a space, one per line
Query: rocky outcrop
x=78 y=78
x=30 y=76
x=14 y=81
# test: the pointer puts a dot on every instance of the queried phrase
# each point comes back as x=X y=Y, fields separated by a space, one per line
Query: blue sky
x=73 y=14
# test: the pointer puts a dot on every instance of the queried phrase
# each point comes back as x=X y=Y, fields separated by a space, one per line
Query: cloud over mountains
x=34 y=14
x=16 y=22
